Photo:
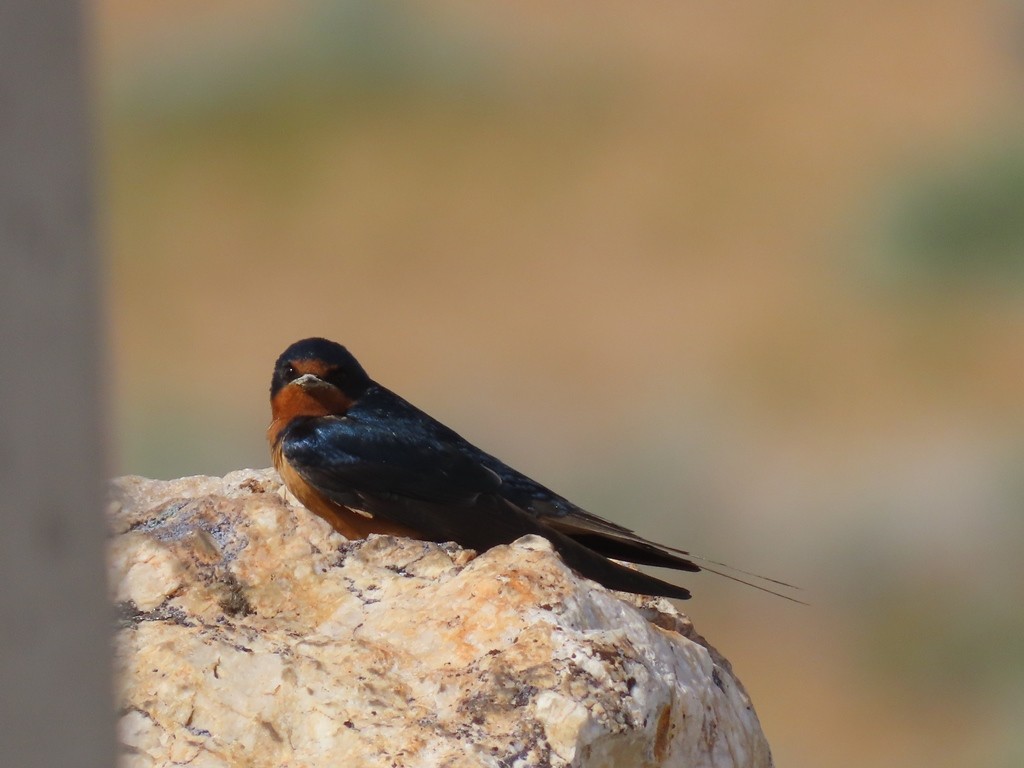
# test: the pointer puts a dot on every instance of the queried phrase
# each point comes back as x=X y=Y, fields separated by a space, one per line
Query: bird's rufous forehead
x=318 y=368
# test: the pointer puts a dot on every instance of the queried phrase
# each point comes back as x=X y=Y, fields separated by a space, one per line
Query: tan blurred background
x=747 y=277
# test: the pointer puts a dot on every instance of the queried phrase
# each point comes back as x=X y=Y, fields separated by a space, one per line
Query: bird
x=368 y=461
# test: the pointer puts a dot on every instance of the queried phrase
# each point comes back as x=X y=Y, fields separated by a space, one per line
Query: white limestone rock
x=254 y=635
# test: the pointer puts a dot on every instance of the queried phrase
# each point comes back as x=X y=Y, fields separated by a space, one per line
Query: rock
x=251 y=634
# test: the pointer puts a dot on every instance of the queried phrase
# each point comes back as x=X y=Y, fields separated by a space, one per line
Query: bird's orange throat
x=294 y=401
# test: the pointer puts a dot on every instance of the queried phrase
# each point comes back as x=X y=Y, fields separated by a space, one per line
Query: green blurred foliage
x=326 y=55
x=962 y=221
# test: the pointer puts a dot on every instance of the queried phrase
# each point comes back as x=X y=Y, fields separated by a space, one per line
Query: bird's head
x=316 y=377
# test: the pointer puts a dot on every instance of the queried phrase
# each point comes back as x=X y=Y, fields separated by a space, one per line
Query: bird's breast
x=350 y=523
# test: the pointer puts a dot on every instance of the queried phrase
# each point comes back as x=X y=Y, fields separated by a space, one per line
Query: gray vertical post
x=55 y=701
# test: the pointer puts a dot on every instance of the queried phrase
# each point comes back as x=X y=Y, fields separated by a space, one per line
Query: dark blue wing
x=391 y=460
x=345 y=456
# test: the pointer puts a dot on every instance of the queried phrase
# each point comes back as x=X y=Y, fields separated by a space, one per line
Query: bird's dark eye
x=290 y=372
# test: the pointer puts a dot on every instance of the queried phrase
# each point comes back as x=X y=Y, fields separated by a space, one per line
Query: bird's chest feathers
x=293 y=402
x=349 y=522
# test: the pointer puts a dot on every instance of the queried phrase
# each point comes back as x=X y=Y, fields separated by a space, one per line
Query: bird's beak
x=310 y=381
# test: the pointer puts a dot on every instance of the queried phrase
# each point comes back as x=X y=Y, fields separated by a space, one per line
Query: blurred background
x=748 y=278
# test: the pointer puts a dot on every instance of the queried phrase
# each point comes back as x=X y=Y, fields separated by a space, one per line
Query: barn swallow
x=368 y=461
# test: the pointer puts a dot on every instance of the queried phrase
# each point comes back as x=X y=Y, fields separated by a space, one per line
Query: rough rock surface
x=254 y=635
